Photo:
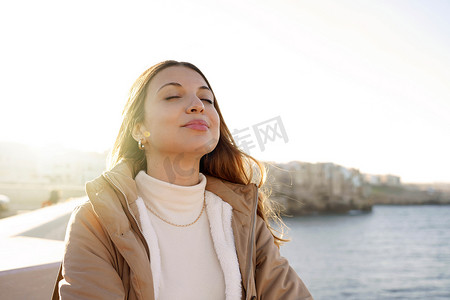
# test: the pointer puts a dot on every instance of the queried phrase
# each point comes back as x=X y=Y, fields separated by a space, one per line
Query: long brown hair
x=226 y=161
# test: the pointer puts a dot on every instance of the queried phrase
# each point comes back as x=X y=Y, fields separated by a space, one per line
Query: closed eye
x=204 y=99
x=207 y=100
x=172 y=97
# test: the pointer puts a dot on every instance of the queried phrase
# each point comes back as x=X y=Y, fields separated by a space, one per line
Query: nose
x=196 y=106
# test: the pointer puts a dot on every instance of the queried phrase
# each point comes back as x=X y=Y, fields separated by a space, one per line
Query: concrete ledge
x=29 y=283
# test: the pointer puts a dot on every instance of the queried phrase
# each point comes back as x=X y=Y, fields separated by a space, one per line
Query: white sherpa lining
x=219 y=215
x=152 y=242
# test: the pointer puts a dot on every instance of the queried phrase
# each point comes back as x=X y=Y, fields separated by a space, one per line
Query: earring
x=146 y=134
x=140 y=145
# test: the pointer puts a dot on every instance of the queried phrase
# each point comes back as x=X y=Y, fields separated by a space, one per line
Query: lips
x=198 y=124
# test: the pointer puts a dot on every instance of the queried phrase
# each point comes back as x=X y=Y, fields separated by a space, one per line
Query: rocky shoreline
x=323 y=188
x=411 y=194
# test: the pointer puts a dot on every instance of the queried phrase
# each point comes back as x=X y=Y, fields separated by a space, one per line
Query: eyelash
x=207 y=100
x=173 y=97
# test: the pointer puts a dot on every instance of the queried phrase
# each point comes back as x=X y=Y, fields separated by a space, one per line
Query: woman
x=177 y=216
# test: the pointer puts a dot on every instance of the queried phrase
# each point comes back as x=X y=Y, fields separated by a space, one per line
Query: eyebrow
x=203 y=87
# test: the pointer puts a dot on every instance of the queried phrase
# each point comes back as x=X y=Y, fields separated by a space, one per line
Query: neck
x=176 y=169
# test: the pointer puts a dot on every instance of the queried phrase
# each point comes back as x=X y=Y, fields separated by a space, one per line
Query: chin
x=200 y=143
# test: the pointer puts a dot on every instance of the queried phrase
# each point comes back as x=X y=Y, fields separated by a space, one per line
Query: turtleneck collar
x=176 y=203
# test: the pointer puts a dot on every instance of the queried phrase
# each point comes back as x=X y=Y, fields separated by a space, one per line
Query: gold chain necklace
x=178 y=225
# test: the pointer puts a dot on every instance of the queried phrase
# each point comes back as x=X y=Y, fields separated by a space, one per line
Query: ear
x=138 y=131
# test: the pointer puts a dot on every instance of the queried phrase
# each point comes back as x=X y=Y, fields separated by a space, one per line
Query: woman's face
x=180 y=114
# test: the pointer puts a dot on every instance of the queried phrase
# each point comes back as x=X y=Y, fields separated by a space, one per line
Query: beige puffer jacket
x=107 y=257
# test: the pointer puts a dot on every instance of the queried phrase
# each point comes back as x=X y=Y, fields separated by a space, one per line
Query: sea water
x=394 y=252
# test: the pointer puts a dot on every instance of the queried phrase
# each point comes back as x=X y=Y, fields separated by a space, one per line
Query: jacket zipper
x=251 y=240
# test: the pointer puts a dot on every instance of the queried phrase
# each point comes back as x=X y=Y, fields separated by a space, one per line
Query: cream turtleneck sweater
x=189 y=266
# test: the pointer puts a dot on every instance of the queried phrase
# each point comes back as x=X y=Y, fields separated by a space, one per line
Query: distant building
x=372 y=179
x=389 y=180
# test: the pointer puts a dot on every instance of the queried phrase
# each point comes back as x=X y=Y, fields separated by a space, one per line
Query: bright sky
x=364 y=84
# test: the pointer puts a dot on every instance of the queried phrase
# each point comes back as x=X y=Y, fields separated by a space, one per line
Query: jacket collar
x=240 y=197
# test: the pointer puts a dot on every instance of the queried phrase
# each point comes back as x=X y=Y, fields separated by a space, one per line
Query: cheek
x=215 y=118
x=216 y=122
x=156 y=122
